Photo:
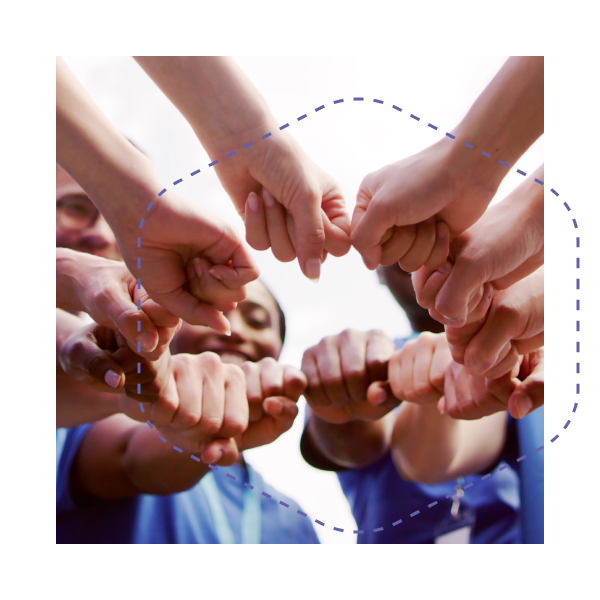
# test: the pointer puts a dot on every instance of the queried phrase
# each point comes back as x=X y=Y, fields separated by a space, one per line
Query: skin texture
x=121 y=182
x=504 y=246
x=287 y=202
x=197 y=404
x=400 y=209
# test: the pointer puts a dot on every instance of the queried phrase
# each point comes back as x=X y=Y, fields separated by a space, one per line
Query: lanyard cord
x=251 y=512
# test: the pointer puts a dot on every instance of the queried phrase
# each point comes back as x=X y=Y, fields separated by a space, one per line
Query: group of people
x=168 y=342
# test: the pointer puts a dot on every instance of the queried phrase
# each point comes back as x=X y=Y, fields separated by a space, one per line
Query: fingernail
x=443 y=230
x=198 y=267
x=112 y=378
x=216 y=275
x=524 y=405
x=313 y=269
x=380 y=397
x=268 y=198
x=442 y=406
x=147 y=341
x=253 y=201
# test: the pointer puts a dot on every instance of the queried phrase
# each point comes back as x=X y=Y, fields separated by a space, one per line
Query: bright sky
x=348 y=140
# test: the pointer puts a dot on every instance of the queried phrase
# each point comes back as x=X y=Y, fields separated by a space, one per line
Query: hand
x=347 y=376
x=288 y=203
x=93 y=355
x=520 y=391
x=175 y=234
x=273 y=391
x=109 y=293
x=513 y=325
x=504 y=246
x=201 y=405
x=407 y=211
x=417 y=370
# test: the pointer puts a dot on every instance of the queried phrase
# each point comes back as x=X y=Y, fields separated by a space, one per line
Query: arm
x=349 y=400
x=504 y=246
x=286 y=201
x=427 y=446
x=122 y=184
x=404 y=210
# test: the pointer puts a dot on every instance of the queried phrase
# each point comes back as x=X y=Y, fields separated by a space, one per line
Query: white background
x=348 y=140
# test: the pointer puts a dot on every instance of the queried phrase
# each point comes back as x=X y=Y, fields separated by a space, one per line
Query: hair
x=280 y=312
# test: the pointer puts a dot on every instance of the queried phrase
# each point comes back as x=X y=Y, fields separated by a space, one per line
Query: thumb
x=91 y=361
x=529 y=394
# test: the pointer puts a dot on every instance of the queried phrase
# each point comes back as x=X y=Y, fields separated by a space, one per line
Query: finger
x=271 y=377
x=256 y=225
x=407 y=374
x=427 y=284
x=502 y=387
x=86 y=358
x=447 y=403
x=212 y=407
x=424 y=392
x=504 y=365
x=369 y=225
x=283 y=411
x=253 y=390
x=421 y=248
x=315 y=394
x=531 y=344
x=379 y=351
x=379 y=393
x=309 y=230
x=160 y=316
x=330 y=372
x=215 y=285
x=294 y=383
x=353 y=360
x=398 y=244
x=220 y=452
x=441 y=359
x=441 y=248
x=395 y=374
x=529 y=394
x=275 y=216
x=235 y=416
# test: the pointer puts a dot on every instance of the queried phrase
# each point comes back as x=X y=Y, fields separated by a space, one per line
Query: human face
x=254 y=331
x=79 y=226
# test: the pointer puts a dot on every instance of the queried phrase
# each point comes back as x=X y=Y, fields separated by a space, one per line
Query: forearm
x=433 y=448
x=505 y=119
x=349 y=445
x=214 y=95
x=96 y=155
x=154 y=467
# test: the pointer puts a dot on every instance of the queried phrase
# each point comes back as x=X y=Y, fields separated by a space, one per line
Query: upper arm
x=98 y=469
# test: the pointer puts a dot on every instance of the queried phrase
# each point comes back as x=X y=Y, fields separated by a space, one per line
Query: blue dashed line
x=319 y=108
x=195 y=458
x=521 y=172
x=414 y=514
x=468 y=486
x=575 y=407
x=415 y=117
x=505 y=164
x=452 y=137
x=319 y=522
x=162 y=192
x=338 y=101
x=432 y=504
x=284 y=504
x=231 y=477
x=432 y=126
x=538 y=181
x=284 y=126
x=575 y=223
x=378 y=530
x=161 y=438
x=264 y=137
x=567 y=424
x=302 y=514
x=358 y=99
x=178 y=449
x=338 y=529
x=213 y=163
x=139 y=245
x=486 y=154
x=522 y=458
x=467 y=145
x=554 y=191
x=302 y=117
x=177 y=182
x=503 y=467
x=150 y=206
x=396 y=108
x=539 y=449
x=486 y=476
x=378 y=101
x=249 y=144
x=139 y=284
x=142 y=409
x=195 y=172
x=139 y=263
x=249 y=486
x=567 y=206
x=397 y=522
x=213 y=468
x=230 y=154
x=266 y=495
x=554 y=438
x=142 y=223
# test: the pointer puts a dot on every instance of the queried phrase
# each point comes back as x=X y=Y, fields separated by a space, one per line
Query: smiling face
x=79 y=225
x=255 y=331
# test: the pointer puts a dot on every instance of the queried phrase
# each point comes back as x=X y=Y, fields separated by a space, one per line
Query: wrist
x=68 y=279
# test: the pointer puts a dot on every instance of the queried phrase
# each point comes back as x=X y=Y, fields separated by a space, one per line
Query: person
x=409 y=211
x=118 y=483
x=351 y=433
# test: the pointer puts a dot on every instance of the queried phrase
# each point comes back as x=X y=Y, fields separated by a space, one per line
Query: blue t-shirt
x=182 y=518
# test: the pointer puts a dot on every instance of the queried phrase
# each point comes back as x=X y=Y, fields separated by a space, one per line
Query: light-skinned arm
x=287 y=202
x=504 y=246
x=427 y=446
x=121 y=182
x=409 y=211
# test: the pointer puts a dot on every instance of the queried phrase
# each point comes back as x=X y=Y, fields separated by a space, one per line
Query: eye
x=258 y=318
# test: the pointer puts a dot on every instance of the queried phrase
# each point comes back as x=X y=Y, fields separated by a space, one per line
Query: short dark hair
x=280 y=312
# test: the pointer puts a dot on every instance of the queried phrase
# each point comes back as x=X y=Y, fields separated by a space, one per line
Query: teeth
x=230 y=357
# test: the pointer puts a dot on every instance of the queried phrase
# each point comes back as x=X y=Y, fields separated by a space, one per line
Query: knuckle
x=210 y=360
x=210 y=425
